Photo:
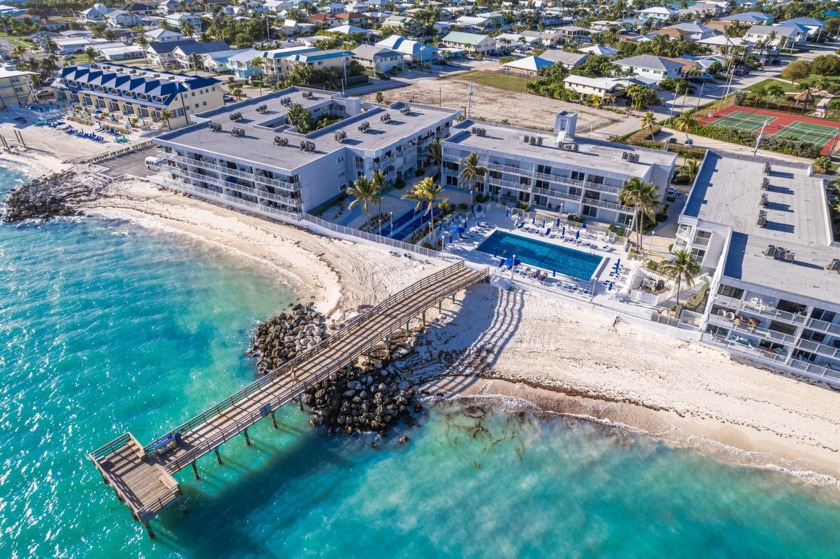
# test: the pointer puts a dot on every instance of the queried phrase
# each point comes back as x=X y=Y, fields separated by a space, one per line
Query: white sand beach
x=563 y=355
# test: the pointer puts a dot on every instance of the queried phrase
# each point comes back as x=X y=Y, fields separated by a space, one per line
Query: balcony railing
x=751 y=330
x=823 y=326
x=239 y=173
x=821 y=349
x=761 y=309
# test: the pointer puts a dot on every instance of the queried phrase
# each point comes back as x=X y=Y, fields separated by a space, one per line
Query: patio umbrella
x=583 y=225
x=577 y=234
x=478 y=208
x=512 y=261
x=456 y=231
x=563 y=231
x=557 y=223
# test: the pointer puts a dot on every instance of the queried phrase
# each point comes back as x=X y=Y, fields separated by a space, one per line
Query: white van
x=154 y=163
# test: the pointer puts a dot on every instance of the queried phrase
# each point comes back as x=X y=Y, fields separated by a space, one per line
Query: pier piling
x=247 y=438
x=274 y=420
x=195 y=470
x=219 y=456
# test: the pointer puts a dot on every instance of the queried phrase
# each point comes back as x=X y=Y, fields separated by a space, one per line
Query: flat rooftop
x=591 y=154
x=728 y=192
x=261 y=126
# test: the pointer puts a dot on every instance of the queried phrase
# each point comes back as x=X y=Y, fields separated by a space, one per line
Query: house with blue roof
x=128 y=92
x=753 y=18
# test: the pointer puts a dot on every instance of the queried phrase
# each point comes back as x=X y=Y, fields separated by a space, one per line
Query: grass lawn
x=784 y=85
x=493 y=79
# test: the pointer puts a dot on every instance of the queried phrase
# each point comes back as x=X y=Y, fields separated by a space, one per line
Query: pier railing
x=300 y=359
x=111 y=447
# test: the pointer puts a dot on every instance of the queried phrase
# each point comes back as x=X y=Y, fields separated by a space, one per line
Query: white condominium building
x=249 y=155
x=762 y=230
x=557 y=172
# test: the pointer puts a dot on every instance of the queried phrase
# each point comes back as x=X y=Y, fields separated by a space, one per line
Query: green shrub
x=463 y=207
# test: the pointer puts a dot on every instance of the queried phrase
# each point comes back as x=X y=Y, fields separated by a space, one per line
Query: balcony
x=818 y=348
x=752 y=330
x=823 y=326
x=224 y=170
x=756 y=307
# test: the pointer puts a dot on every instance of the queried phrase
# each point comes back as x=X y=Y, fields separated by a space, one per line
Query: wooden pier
x=142 y=476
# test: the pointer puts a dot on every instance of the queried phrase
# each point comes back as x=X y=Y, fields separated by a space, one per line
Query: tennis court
x=748 y=122
x=807 y=132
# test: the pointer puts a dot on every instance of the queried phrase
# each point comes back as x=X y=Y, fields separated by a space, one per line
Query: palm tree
x=689 y=170
x=643 y=197
x=427 y=192
x=379 y=184
x=364 y=192
x=90 y=52
x=649 y=122
x=684 y=123
x=195 y=62
x=257 y=64
x=470 y=172
x=683 y=268
x=166 y=115
x=436 y=151
x=19 y=51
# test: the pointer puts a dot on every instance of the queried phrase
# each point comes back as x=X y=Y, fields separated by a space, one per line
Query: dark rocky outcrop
x=361 y=400
x=53 y=195
x=282 y=337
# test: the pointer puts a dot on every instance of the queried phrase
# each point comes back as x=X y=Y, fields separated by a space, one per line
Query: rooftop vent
x=281 y=141
x=765 y=183
x=340 y=136
x=834 y=265
x=237 y=116
x=762 y=219
x=215 y=127
x=364 y=127
x=406 y=110
x=238 y=132
x=285 y=101
x=262 y=108
x=386 y=117
x=767 y=168
x=764 y=200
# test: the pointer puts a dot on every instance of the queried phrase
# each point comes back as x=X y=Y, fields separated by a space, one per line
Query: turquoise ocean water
x=107 y=327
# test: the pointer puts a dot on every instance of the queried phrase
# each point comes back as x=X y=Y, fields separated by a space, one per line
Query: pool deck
x=594 y=290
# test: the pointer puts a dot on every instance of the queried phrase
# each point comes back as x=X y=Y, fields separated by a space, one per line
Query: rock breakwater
x=53 y=195
x=282 y=337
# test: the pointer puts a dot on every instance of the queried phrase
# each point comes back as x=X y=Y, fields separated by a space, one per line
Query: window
x=729 y=291
x=545 y=169
x=624 y=219
x=339 y=159
x=590 y=211
x=524 y=181
x=596 y=179
x=574 y=191
x=824 y=315
x=578 y=175
x=542 y=184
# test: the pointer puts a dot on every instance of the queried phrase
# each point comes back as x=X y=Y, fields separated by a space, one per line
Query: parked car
x=671 y=194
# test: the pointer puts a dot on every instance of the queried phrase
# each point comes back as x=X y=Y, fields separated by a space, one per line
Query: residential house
x=813 y=26
x=178 y=19
x=240 y=64
x=183 y=53
x=783 y=37
x=470 y=42
x=94 y=14
x=122 y=18
x=723 y=44
x=161 y=35
x=690 y=31
x=657 y=13
x=124 y=52
x=378 y=60
x=564 y=58
x=751 y=18
x=412 y=51
x=652 y=69
x=599 y=50
x=334 y=58
x=137 y=92
x=482 y=22
x=571 y=33
x=529 y=66
x=608 y=89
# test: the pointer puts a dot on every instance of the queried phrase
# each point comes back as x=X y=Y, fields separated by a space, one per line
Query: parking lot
x=133 y=163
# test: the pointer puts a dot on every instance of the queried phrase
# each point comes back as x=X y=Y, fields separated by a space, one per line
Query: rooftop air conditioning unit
x=764 y=200
x=633 y=157
x=262 y=108
x=239 y=132
x=340 y=136
x=765 y=183
x=364 y=127
x=235 y=116
x=625 y=155
x=770 y=250
x=310 y=146
x=533 y=140
x=539 y=140
x=386 y=117
x=280 y=141
x=762 y=220
x=570 y=147
x=767 y=168
x=834 y=265
x=303 y=145
x=215 y=127
x=526 y=139
x=285 y=101
x=406 y=110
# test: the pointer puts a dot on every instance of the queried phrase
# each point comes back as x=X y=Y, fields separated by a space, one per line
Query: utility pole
x=760 y=134
x=469 y=99
x=699 y=96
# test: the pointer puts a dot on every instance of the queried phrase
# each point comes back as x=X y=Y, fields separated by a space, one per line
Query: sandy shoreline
x=563 y=357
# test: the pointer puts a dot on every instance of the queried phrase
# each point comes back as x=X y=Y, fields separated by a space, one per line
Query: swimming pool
x=544 y=255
